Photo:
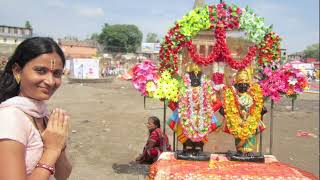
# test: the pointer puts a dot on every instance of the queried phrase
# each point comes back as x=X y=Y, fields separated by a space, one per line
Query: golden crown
x=192 y=67
x=243 y=76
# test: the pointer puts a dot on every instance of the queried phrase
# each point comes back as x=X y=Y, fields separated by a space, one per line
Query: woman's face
x=151 y=125
x=40 y=77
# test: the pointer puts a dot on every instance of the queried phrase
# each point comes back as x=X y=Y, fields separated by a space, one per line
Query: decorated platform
x=167 y=167
x=198 y=78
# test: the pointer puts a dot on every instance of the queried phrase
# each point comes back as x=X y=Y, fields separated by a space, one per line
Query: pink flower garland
x=142 y=73
x=296 y=81
x=284 y=81
x=274 y=85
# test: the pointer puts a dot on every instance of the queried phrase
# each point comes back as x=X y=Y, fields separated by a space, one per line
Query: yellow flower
x=166 y=75
x=239 y=128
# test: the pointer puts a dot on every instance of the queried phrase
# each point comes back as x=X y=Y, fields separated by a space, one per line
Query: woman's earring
x=18 y=79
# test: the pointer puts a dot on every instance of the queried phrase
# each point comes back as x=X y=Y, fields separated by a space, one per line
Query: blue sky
x=296 y=21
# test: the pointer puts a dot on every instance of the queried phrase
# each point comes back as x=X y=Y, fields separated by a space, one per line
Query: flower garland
x=238 y=127
x=283 y=81
x=221 y=51
x=220 y=18
x=273 y=84
x=217 y=78
x=165 y=88
x=269 y=49
x=253 y=25
x=296 y=81
x=195 y=110
x=143 y=73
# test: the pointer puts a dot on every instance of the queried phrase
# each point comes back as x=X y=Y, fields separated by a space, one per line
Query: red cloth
x=151 y=154
x=180 y=169
x=172 y=105
x=161 y=140
x=216 y=105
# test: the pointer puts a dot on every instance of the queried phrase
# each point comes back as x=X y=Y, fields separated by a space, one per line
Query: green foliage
x=28 y=25
x=312 y=51
x=152 y=38
x=120 y=38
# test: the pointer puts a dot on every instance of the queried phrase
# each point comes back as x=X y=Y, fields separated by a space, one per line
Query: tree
x=28 y=25
x=120 y=38
x=94 y=37
x=312 y=51
x=152 y=38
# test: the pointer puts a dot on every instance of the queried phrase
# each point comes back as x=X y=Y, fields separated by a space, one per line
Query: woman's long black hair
x=26 y=51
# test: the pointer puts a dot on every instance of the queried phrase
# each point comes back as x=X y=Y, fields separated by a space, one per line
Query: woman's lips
x=44 y=90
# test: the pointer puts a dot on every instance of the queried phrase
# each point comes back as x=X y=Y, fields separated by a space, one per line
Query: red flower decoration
x=217 y=78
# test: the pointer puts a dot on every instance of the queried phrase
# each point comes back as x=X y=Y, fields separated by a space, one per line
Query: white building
x=11 y=36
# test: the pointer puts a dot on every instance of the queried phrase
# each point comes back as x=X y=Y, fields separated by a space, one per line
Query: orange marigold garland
x=238 y=127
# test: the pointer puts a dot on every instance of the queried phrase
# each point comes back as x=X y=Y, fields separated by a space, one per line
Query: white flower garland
x=193 y=116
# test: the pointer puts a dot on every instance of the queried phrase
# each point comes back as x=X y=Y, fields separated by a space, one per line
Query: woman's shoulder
x=11 y=112
x=14 y=125
x=14 y=116
x=157 y=132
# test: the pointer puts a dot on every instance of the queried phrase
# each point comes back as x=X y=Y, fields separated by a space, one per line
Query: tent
x=84 y=68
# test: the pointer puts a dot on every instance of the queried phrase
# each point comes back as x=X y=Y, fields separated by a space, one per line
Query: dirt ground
x=107 y=130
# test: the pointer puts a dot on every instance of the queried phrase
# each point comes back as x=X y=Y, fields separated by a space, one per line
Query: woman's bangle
x=47 y=167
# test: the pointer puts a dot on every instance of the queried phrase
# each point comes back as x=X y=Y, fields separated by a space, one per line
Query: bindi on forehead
x=52 y=64
x=51 y=61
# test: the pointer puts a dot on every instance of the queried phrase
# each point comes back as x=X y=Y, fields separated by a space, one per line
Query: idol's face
x=195 y=79
x=242 y=87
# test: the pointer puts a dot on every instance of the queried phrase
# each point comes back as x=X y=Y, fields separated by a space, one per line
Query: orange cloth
x=171 y=168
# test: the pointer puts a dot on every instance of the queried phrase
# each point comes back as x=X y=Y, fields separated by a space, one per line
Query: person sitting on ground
x=156 y=144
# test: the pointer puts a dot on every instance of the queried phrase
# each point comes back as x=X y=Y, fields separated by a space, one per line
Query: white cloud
x=89 y=12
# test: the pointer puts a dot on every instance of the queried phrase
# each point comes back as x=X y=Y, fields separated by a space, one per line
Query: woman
x=32 y=141
x=156 y=143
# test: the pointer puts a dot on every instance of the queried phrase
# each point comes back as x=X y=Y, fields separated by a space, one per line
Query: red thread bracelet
x=47 y=167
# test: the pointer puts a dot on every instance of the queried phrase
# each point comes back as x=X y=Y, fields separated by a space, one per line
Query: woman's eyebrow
x=45 y=67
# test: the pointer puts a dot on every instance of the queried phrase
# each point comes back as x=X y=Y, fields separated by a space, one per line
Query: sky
x=296 y=21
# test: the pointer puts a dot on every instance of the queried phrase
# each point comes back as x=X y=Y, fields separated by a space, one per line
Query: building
x=298 y=56
x=313 y=61
x=11 y=36
x=74 y=48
